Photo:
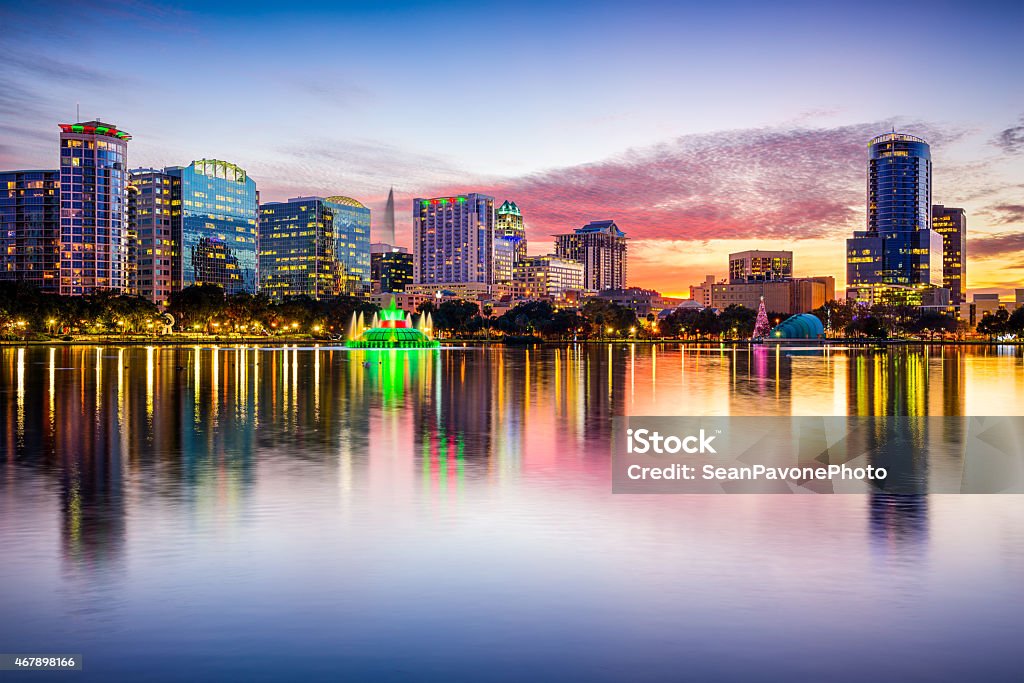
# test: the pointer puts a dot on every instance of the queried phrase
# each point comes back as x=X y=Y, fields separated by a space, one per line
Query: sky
x=700 y=128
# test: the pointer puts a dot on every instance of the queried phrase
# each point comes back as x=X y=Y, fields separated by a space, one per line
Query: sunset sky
x=700 y=130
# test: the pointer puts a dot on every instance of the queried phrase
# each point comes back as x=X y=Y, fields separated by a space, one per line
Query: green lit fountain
x=395 y=331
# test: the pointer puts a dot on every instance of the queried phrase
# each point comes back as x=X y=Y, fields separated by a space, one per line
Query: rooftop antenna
x=78 y=112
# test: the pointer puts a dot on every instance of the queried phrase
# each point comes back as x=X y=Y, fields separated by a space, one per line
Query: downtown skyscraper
x=453 y=239
x=601 y=247
x=154 y=203
x=951 y=223
x=216 y=241
x=314 y=246
x=898 y=255
x=192 y=225
x=94 y=227
x=509 y=241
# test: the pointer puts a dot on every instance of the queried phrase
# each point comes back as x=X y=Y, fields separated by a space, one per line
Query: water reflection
x=140 y=457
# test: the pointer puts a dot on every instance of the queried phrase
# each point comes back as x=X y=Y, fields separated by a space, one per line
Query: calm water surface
x=296 y=514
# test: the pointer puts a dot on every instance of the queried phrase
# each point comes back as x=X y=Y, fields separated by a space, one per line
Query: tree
x=563 y=324
x=197 y=305
x=761 y=325
x=932 y=321
x=610 y=315
x=1015 y=321
x=526 y=317
x=993 y=324
x=692 y=322
x=454 y=315
x=337 y=314
x=737 y=321
x=246 y=311
x=836 y=315
x=867 y=325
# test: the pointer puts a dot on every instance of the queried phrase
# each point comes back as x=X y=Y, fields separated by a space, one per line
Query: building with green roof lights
x=94 y=230
x=509 y=241
x=453 y=239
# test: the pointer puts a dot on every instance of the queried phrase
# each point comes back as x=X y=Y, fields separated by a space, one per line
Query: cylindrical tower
x=899 y=184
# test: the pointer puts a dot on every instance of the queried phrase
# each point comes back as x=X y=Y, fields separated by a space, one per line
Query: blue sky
x=700 y=128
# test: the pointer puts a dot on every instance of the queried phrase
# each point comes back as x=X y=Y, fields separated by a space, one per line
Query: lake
x=311 y=513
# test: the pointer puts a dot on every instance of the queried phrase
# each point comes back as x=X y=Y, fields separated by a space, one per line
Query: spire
x=387 y=229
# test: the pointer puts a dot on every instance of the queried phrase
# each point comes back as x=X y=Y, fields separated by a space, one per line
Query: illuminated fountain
x=393 y=331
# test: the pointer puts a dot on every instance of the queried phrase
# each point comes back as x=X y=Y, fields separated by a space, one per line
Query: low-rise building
x=702 y=292
x=549 y=276
x=643 y=302
x=390 y=268
x=796 y=295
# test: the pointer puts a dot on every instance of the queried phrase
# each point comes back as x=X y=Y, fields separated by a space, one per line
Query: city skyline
x=693 y=162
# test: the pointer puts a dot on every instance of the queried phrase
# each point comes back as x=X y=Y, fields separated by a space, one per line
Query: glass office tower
x=93 y=208
x=509 y=241
x=30 y=227
x=216 y=240
x=951 y=223
x=899 y=247
x=315 y=246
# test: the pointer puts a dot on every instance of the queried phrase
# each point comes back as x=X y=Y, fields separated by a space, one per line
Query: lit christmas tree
x=761 y=326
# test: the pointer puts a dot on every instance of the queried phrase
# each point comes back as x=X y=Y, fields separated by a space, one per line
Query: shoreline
x=290 y=341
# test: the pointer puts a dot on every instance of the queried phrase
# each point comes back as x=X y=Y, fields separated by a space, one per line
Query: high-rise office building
x=760 y=266
x=504 y=259
x=314 y=246
x=390 y=268
x=601 y=247
x=154 y=203
x=217 y=238
x=952 y=225
x=453 y=239
x=30 y=227
x=132 y=239
x=509 y=241
x=93 y=208
x=898 y=250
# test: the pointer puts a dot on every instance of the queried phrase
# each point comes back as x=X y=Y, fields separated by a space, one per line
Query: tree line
x=27 y=313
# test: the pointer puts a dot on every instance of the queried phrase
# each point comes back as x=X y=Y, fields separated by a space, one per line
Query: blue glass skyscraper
x=898 y=249
x=315 y=246
x=216 y=240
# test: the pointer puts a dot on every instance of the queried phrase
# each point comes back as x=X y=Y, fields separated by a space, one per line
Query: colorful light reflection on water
x=311 y=513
